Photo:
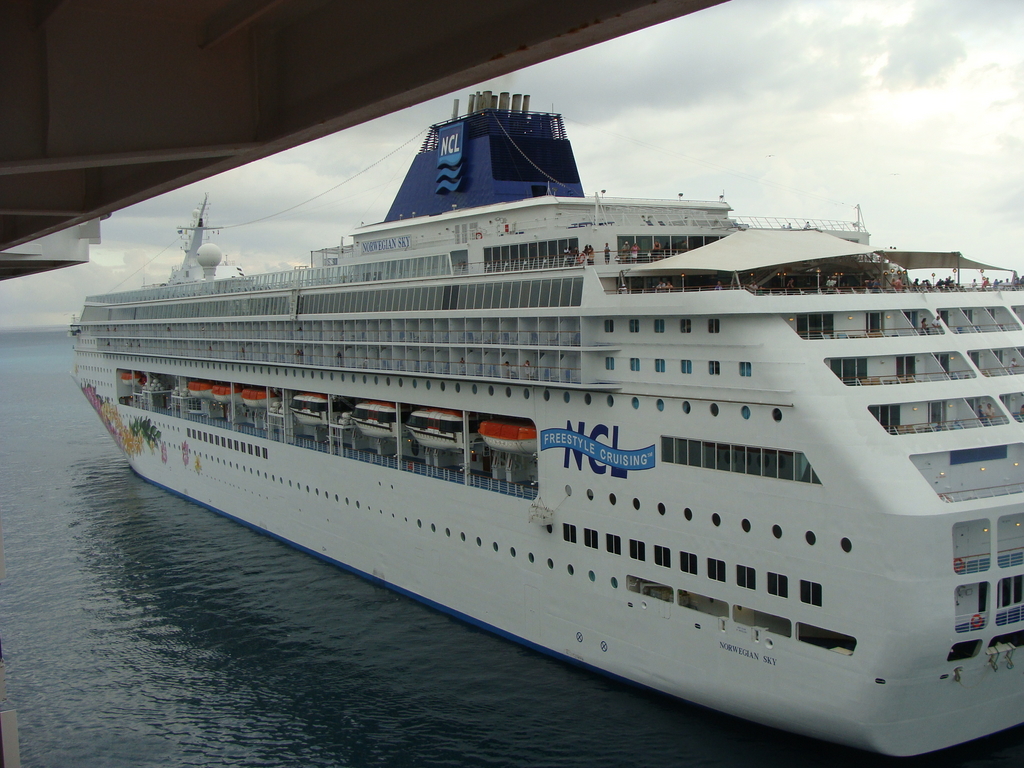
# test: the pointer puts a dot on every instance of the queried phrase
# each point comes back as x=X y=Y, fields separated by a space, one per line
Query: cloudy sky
x=913 y=109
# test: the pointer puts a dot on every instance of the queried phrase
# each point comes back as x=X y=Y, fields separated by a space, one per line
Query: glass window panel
x=753 y=461
x=769 y=462
x=694 y=453
x=786 y=465
x=724 y=456
x=739 y=459
x=709 y=455
x=668 y=450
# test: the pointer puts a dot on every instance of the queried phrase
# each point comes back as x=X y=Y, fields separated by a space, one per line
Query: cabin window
x=659 y=326
x=685 y=326
x=688 y=562
x=714 y=325
x=746 y=577
x=609 y=326
x=637 y=549
x=714 y=368
x=662 y=556
x=686 y=366
x=634 y=363
x=590 y=538
x=716 y=569
x=659 y=366
x=569 y=532
x=609 y=363
x=850 y=369
x=810 y=592
x=745 y=369
x=815 y=326
x=634 y=326
x=613 y=543
x=778 y=584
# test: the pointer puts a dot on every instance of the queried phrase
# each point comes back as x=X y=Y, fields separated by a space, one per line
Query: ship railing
x=1008 y=558
x=911 y=378
x=1003 y=370
x=945 y=426
x=773 y=222
x=879 y=334
x=503 y=486
x=310 y=444
x=370 y=458
x=758 y=290
x=971 y=621
x=440 y=473
x=984 y=328
x=982 y=493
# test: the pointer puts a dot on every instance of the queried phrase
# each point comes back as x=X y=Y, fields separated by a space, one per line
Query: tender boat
x=310 y=408
x=376 y=419
x=256 y=397
x=440 y=428
x=509 y=436
x=223 y=393
x=201 y=389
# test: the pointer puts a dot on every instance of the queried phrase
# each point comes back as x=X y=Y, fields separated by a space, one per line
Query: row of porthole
x=716 y=519
x=512 y=551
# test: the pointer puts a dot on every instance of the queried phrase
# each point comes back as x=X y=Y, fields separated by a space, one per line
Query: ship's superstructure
x=732 y=460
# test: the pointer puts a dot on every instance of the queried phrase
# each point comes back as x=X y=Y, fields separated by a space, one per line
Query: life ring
x=479 y=236
x=959 y=565
x=977 y=622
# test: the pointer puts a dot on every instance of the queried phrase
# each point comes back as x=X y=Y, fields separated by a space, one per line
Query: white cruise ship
x=739 y=462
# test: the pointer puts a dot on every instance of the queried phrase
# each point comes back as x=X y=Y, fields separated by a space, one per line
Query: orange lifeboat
x=256 y=397
x=201 y=389
x=510 y=436
x=222 y=393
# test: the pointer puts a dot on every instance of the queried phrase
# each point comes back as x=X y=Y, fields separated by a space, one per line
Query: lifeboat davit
x=222 y=393
x=256 y=397
x=439 y=428
x=510 y=436
x=376 y=419
x=310 y=408
x=201 y=389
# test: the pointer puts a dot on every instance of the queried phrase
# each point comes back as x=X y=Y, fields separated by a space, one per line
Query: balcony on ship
x=1006 y=361
x=939 y=415
x=900 y=369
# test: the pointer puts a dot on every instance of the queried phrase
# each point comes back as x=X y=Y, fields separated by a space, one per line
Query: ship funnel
x=517 y=102
x=503 y=100
x=484 y=101
x=526 y=102
x=455 y=109
x=471 y=104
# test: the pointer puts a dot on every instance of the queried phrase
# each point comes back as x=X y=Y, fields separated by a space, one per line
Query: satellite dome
x=208 y=255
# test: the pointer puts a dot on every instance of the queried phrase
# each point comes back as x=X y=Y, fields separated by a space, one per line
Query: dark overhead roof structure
x=105 y=103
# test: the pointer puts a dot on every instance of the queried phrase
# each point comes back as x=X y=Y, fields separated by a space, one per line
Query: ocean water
x=141 y=630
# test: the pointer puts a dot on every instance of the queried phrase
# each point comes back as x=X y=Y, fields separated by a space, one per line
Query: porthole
x=440 y=385
x=413 y=383
x=688 y=513
x=427 y=384
x=777 y=414
x=591 y=576
x=387 y=380
x=568 y=490
x=716 y=519
x=636 y=503
x=463 y=535
x=570 y=569
x=490 y=390
x=458 y=387
x=636 y=403
x=433 y=528
x=346 y=499
x=419 y=523
x=566 y=396
x=376 y=381
x=777 y=531
x=611 y=401
x=495 y=545
x=551 y=564
x=615 y=583
x=357 y=505
x=479 y=543
x=547 y=395
x=611 y=499
x=686 y=406
x=364 y=378
x=474 y=389
x=810 y=537
x=590 y=494
x=661 y=508
x=512 y=551
x=846 y=544
x=448 y=532
x=526 y=394
x=745 y=525
x=530 y=557
x=508 y=391
x=714 y=409
x=745 y=411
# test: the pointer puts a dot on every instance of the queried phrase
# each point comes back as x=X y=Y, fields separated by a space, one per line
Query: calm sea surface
x=140 y=630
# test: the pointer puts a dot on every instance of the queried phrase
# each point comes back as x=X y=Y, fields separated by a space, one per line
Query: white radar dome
x=208 y=255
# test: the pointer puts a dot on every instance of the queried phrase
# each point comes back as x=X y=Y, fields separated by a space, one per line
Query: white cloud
x=911 y=108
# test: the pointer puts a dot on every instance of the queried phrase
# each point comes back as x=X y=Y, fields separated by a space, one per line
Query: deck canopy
x=756 y=251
